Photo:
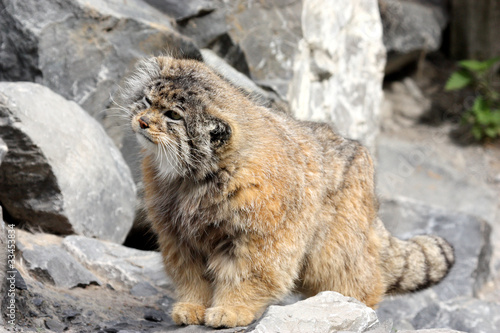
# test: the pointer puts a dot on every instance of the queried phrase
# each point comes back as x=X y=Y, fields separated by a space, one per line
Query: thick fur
x=250 y=204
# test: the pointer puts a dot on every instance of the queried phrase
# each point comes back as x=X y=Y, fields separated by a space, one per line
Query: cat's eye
x=173 y=115
x=147 y=101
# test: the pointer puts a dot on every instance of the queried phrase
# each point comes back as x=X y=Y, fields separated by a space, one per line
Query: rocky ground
x=69 y=173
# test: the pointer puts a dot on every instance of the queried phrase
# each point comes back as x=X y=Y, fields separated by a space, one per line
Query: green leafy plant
x=484 y=116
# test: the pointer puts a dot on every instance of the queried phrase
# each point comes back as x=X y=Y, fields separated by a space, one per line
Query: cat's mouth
x=146 y=137
x=145 y=140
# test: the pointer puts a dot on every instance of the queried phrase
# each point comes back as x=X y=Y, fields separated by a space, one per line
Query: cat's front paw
x=188 y=314
x=230 y=316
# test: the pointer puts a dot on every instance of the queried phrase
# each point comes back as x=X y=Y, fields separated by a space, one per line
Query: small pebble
x=70 y=314
x=55 y=325
x=37 y=301
x=111 y=330
x=154 y=315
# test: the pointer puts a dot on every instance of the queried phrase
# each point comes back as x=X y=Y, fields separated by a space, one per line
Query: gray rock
x=470 y=237
x=183 y=10
x=51 y=263
x=326 y=312
x=401 y=310
x=207 y=29
x=339 y=67
x=143 y=289
x=412 y=25
x=464 y=314
x=155 y=315
x=119 y=264
x=62 y=172
x=232 y=75
x=82 y=48
x=268 y=33
x=211 y=30
x=435 y=173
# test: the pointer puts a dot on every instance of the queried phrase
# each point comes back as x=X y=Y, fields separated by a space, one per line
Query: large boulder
x=62 y=173
x=339 y=67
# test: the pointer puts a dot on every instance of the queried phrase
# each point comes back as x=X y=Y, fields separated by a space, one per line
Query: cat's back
x=339 y=156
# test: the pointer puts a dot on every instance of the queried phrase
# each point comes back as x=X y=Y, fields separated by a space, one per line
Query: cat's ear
x=220 y=132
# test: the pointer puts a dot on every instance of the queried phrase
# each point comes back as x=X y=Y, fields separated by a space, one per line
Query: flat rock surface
x=119 y=264
x=465 y=314
x=53 y=265
x=326 y=312
x=62 y=173
x=434 y=172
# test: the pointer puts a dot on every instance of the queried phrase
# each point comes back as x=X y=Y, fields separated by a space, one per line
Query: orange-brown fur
x=272 y=205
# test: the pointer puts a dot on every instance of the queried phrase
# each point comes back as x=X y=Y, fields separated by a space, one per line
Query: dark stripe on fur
x=396 y=286
x=449 y=263
x=427 y=281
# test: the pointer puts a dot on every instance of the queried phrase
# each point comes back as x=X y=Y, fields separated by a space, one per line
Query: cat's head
x=178 y=113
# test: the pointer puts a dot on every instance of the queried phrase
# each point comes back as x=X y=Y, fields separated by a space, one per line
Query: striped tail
x=415 y=264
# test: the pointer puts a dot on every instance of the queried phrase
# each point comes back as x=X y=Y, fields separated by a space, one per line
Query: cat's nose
x=143 y=122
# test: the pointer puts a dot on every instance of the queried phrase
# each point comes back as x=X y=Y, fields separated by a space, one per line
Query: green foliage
x=484 y=116
x=458 y=80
